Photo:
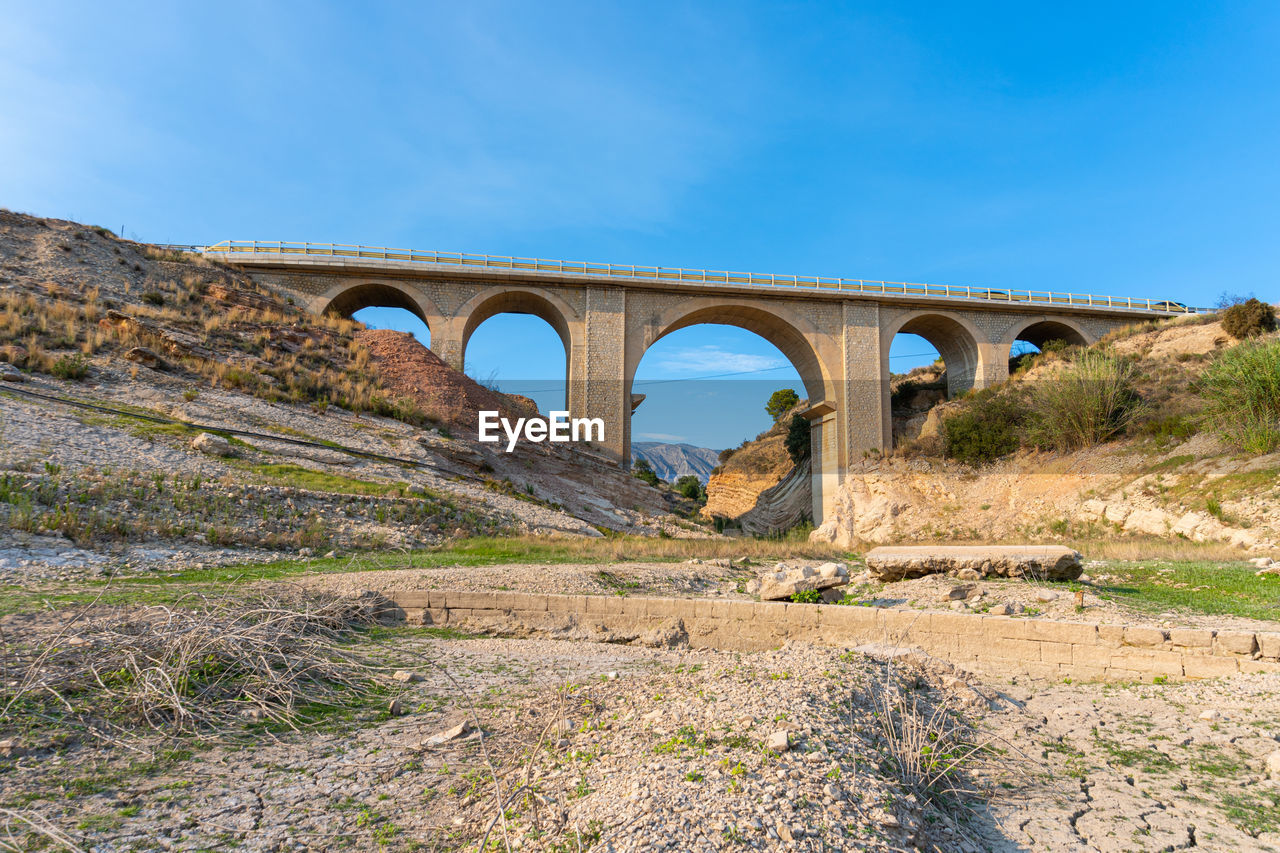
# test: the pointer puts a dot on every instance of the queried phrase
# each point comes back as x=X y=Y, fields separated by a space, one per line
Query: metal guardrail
x=690 y=276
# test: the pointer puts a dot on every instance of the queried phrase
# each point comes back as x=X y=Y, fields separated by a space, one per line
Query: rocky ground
x=625 y=748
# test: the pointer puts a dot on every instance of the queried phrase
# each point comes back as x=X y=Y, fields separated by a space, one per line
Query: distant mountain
x=673 y=461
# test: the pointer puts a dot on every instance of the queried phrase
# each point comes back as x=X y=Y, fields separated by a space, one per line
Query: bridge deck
x=254 y=253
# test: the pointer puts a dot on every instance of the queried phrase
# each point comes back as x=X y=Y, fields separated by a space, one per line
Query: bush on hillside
x=1241 y=390
x=642 y=470
x=989 y=426
x=691 y=487
x=781 y=401
x=74 y=367
x=1087 y=402
x=1249 y=319
x=797 y=441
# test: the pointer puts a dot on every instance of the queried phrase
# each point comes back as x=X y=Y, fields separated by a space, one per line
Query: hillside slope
x=750 y=470
x=1168 y=477
x=333 y=436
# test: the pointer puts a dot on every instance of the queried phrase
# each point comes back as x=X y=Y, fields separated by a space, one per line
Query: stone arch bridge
x=836 y=332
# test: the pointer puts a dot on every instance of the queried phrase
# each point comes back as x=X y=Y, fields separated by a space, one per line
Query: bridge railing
x=692 y=276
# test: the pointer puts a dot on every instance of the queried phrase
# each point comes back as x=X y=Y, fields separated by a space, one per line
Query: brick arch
x=792 y=336
x=1041 y=330
x=559 y=314
x=955 y=337
x=347 y=299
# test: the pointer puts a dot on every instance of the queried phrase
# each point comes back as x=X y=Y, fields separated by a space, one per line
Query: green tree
x=797 y=441
x=642 y=470
x=691 y=487
x=781 y=402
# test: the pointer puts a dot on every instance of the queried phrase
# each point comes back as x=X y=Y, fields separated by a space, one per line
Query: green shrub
x=74 y=367
x=1241 y=391
x=781 y=402
x=691 y=487
x=989 y=426
x=798 y=439
x=1168 y=428
x=1248 y=319
x=1087 y=402
x=642 y=470
x=727 y=454
x=153 y=297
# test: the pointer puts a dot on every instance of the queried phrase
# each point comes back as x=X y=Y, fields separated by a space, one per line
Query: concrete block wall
x=990 y=645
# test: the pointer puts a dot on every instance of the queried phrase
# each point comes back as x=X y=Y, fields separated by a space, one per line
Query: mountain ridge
x=671 y=461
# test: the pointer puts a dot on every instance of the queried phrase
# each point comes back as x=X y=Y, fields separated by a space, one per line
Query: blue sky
x=1100 y=147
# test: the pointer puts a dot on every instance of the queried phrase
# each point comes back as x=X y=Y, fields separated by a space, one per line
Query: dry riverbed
x=625 y=748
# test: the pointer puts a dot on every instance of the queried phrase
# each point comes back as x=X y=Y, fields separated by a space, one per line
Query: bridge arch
x=347 y=299
x=958 y=341
x=799 y=341
x=791 y=335
x=559 y=314
x=1040 y=330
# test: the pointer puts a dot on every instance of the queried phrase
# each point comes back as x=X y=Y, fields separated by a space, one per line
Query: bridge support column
x=993 y=365
x=855 y=417
x=446 y=342
x=864 y=420
x=597 y=384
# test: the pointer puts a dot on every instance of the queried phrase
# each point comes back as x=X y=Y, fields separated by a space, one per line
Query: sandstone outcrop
x=783 y=506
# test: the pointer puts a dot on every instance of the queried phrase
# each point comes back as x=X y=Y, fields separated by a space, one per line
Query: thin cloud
x=660 y=436
x=711 y=359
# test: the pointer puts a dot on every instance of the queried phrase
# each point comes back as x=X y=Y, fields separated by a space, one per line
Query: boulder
x=214 y=445
x=9 y=373
x=782 y=583
x=13 y=354
x=460 y=730
x=778 y=741
x=145 y=356
x=1273 y=766
x=1042 y=562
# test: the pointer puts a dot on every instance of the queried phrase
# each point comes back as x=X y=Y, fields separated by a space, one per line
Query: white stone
x=214 y=445
x=778 y=741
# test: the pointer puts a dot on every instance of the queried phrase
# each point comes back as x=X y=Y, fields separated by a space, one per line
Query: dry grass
x=209 y=666
x=265 y=348
x=1155 y=549
x=650 y=549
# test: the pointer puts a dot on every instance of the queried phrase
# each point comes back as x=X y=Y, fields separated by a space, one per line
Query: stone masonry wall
x=991 y=645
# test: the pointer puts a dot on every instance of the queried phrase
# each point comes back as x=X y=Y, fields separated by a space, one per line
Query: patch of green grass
x=320 y=481
x=1146 y=759
x=297 y=433
x=1171 y=464
x=1252 y=809
x=474 y=551
x=1195 y=586
x=150 y=431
